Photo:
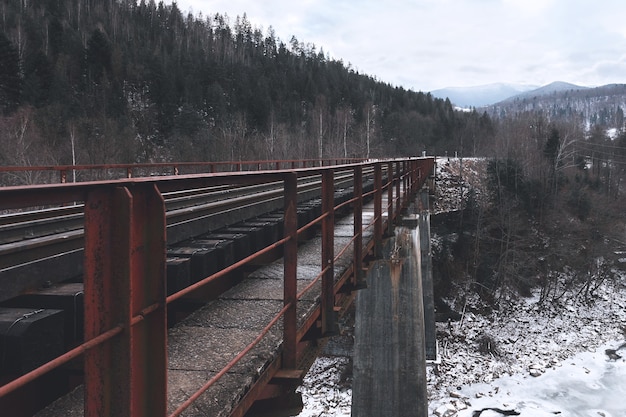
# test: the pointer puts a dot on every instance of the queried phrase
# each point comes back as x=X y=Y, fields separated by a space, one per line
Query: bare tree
x=320 y=113
x=21 y=144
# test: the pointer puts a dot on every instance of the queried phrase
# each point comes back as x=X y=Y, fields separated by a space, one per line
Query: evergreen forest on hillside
x=121 y=81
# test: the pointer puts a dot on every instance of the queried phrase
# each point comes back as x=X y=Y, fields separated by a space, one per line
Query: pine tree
x=10 y=81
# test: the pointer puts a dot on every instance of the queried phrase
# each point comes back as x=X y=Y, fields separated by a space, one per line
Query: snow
x=323 y=392
x=525 y=337
x=588 y=384
x=612 y=133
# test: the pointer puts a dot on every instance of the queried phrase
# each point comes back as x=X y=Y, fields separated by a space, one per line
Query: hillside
x=563 y=293
x=95 y=81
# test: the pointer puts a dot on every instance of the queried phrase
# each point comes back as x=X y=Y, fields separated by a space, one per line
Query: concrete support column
x=430 y=331
x=389 y=353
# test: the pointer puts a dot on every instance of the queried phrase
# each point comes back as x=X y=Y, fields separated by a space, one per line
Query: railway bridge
x=184 y=289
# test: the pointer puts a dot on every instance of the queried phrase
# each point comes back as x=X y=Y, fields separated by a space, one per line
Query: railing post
x=290 y=271
x=398 y=176
x=329 y=322
x=414 y=176
x=125 y=286
x=358 y=281
x=378 y=209
x=390 y=208
x=407 y=171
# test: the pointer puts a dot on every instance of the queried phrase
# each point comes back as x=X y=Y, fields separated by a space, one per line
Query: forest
x=121 y=81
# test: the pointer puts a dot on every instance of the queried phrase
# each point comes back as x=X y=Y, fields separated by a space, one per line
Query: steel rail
x=69 y=240
x=32 y=224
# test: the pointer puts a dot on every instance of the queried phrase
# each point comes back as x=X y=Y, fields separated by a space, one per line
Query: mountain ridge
x=487 y=95
x=481 y=95
x=553 y=87
x=587 y=106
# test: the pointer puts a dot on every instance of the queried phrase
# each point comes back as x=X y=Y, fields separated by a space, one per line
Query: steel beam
x=378 y=210
x=390 y=208
x=329 y=322
x=290 y=266
x=399 y=196
x=125 y=286
x=358 y=279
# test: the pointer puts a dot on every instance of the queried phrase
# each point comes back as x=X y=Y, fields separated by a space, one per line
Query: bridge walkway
x=205 y=342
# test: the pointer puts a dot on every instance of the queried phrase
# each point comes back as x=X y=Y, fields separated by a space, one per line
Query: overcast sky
x=429 y=44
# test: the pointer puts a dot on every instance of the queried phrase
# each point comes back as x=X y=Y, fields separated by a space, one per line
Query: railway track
x=43 y=247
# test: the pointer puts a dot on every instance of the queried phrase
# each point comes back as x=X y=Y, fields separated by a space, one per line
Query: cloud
x=429 y=44
x=530 y=7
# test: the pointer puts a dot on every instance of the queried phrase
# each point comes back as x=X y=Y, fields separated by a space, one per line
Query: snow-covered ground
x=588 y=384
x=535 y=358
x=324 y=391
x=528 y=341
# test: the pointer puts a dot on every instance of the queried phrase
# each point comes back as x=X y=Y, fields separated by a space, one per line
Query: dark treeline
x=547 y=216
x=93 y=81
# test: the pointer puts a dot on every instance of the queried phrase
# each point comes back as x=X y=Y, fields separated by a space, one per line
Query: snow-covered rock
x=446 y=410
x=536 y=370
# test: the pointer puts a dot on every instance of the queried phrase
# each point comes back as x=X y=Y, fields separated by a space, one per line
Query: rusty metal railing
x=51 y=174
x=125 y=348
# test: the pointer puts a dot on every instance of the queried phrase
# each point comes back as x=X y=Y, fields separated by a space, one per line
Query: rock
x=455 y=394
x=536 y=370
x=460 y=405
x=446 y=410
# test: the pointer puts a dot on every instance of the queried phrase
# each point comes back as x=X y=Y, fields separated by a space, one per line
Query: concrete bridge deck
x=203 y=343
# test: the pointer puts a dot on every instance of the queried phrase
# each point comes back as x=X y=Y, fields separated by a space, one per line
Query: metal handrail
x=117 y=171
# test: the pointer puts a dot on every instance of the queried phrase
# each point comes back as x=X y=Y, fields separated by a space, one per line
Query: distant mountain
x=556 y=87
x=480 y=96
x=603 y=106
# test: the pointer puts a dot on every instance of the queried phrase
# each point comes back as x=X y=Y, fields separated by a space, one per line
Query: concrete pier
x=390 y=354
x=430 y=330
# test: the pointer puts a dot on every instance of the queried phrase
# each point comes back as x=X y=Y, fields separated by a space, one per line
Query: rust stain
x=402 y=248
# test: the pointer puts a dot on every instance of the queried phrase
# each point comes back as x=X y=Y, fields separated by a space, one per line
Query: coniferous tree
x=10 y=82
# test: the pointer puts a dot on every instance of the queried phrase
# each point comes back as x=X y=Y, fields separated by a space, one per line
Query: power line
x=602 y=145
